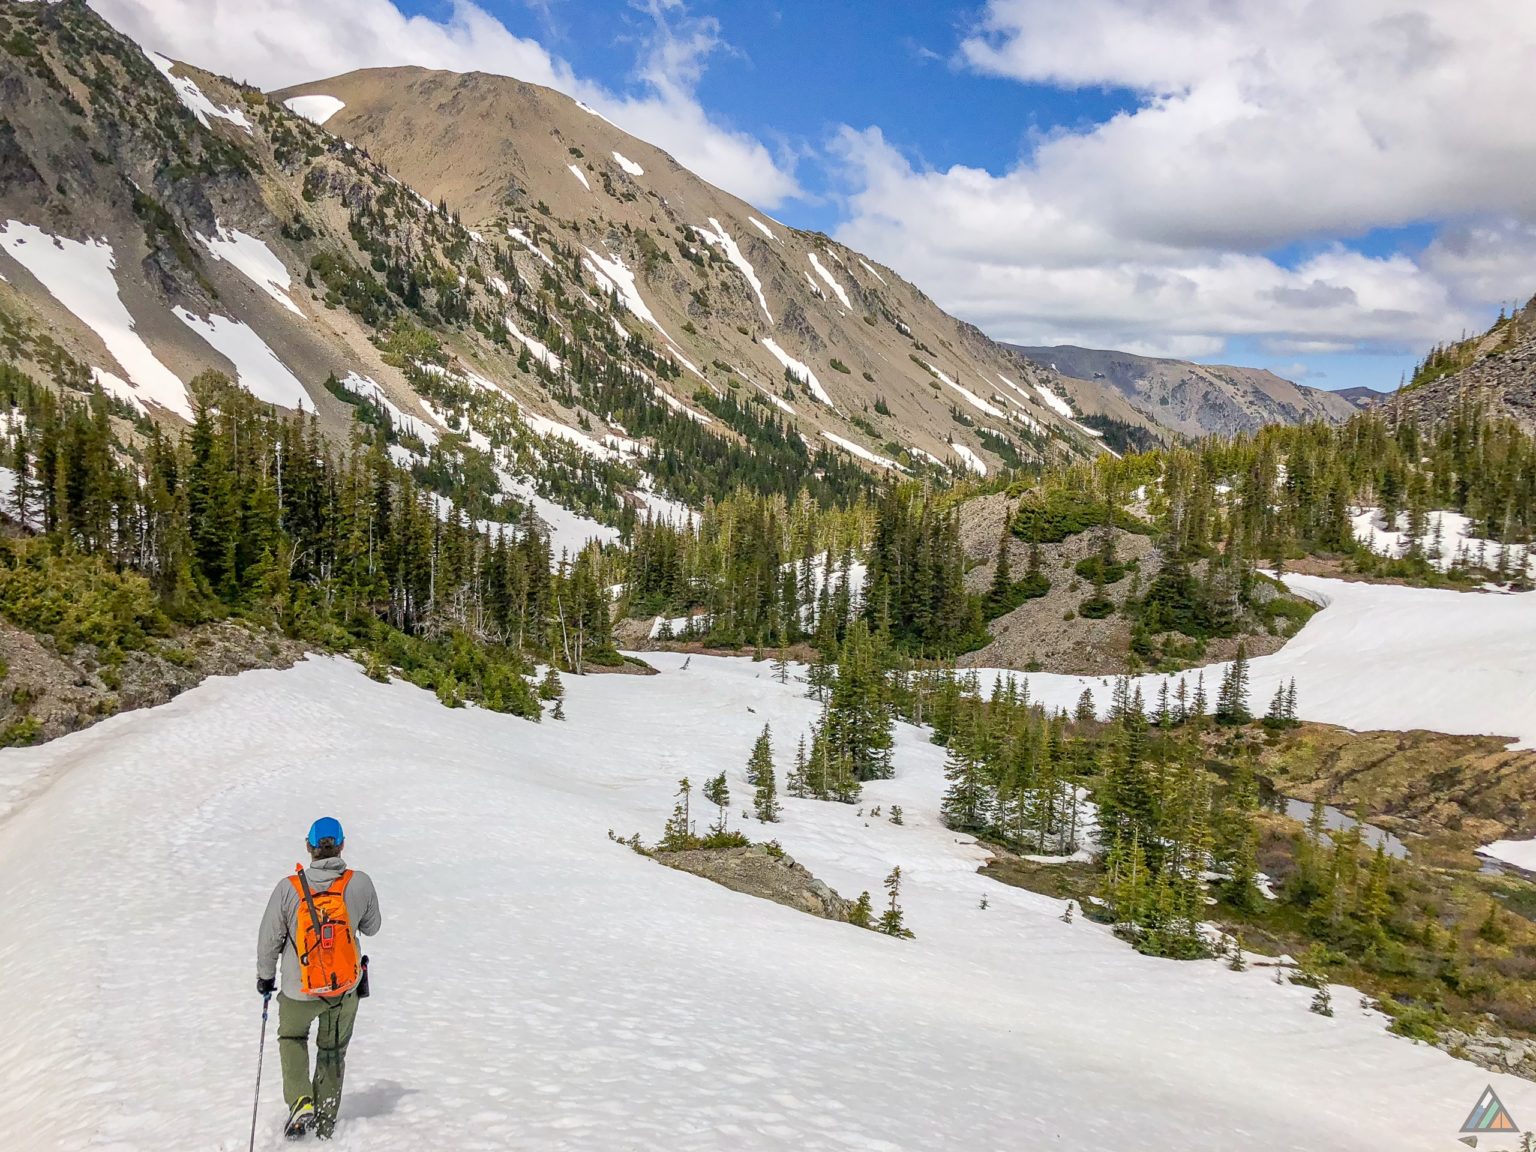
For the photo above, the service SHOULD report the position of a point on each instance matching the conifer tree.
(1322, 1002)
(760, 774)
(760, 761)
(1232, 699)
(765, 800)
(718, 793)
(862, 914)
(891, 919)
(1000, 594)
(678, 833)
(550, 687)
(1275, 717)
(797, 783)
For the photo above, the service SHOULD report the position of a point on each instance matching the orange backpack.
(328, 962)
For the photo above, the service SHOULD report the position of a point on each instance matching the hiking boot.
(300, 1119)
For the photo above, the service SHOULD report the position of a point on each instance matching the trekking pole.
(260, 1055)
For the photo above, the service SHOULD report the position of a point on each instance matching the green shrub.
(1049, 517)
(76, 599)
(21, 733)
(1096, 608)
(1090, 568)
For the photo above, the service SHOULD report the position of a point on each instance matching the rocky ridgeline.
(1501, 381)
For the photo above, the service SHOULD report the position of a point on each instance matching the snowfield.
(536, 986)
(1380, 657)
(861, 452)
(972, 460)
(1054, 402)
(1449, 538)
(971, 398)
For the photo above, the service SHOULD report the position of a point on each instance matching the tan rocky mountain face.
(1190, 399)
(723, 283)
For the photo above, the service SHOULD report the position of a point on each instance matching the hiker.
(324, 974)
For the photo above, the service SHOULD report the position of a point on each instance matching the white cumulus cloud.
(1291, 124)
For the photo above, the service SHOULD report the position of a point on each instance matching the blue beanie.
(325, 828)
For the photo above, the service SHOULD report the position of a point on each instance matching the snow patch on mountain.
(1520, 853)
(800, 370)
(580, 175)
(540, 351)
(861, 452)
(79, 275)
(316, 109)
(971, 398)
(1054, 402)
(615, 276)
(627, 164)
(763, 228)
(255, 261)
(831, 282)
(972, 461)
(721, 238)
(114, 385)
(871, 270)
(257, 367)
(591, 111)
(527, 242)
(778, 401)
(368, 388)
(568, 531)
(192, 96)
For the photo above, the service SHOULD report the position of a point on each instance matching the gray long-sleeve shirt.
(279, 924)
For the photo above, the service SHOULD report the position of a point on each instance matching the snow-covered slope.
(1381, 656)
(539, 987)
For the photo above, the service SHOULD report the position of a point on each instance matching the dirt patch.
(1457, 792)
(759, 871)
(1073, 880)
(46, 693)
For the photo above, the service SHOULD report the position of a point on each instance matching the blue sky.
(1325, 190)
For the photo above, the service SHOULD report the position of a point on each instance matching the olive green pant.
(334, 1021)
